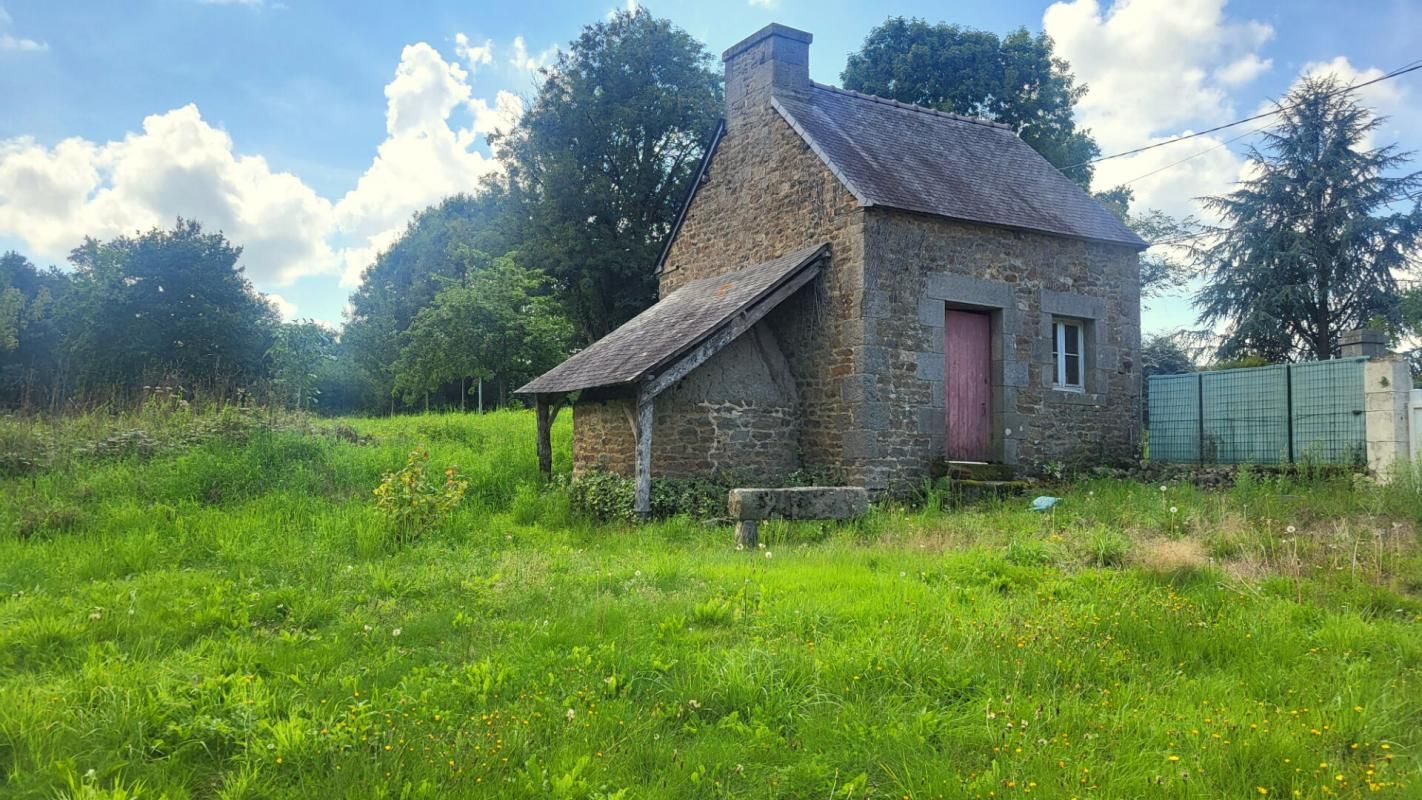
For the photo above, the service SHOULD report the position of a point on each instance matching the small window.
(1067, 354)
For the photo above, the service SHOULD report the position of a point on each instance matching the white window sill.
(1069, 389)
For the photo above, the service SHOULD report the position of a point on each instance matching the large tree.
(1311, 245)
(1161, 354)
(31, 359)
(165, 303)
(498, 325)
(602, 160)
(430, 254)
(1163, 269)
(1015, 79)
(1408, 335)
(296, 359)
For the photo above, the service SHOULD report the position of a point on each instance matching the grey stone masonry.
(749, 507)
(1363, 342)
(847, 378)
(799, 502)
(1387, 386)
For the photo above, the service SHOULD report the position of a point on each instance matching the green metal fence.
(1265, 415)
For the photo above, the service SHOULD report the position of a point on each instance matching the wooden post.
(545, 439)
(644, 453)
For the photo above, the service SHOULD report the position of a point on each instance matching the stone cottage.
(857, 287)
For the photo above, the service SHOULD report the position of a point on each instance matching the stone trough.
(749, 507)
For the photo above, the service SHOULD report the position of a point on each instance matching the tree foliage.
(1409, 333)
(170, 302)
(1164, 268)
(1161, 354)
(1310, 247)
(497, 325)
(1016, 79)
(602, 160)
(594, 175)
(298, 353)
(31, 359)
(429, 255)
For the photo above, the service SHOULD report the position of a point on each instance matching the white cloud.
(425, 89)
(180, 165)
(1170, 178)
(1153, 66)
(285, 307)
(764, 3)
(631, 7)
(501, 116)
(423, 158)
(1244, 70)
(521, 59)
(9, 43)
(475, 55)
(16, 44)
(1390, 98)
(1155, 69)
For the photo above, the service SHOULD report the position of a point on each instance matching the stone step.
(978, 490)
(979, 471)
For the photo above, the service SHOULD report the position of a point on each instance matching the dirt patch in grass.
(1167, 556)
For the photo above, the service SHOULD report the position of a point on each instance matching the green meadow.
(210, 605)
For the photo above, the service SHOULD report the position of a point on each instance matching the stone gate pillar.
(1387, 386)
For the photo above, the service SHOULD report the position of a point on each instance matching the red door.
(967, 359)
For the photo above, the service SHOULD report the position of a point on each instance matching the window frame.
(1060, 355)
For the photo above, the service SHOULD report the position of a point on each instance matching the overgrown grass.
(229, 617)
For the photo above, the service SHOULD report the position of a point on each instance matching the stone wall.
(768, 194)
(737, 414)
(602, 436)
(862, 345)
(1387, 388)
(917, 266)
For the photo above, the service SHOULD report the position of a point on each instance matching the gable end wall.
(767, 193)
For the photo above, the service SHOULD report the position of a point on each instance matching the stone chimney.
(774, 60)
(1362, 342)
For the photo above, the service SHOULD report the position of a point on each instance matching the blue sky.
(310, 131)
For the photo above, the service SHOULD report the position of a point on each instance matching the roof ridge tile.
(874, 98)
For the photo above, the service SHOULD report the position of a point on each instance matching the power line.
(1225, 143)
(1417, 195)
(1412, 67)
(1230, 141)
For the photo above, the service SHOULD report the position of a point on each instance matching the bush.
(607, 496)
(413, 501)
(603, 495)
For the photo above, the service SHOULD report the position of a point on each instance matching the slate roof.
(680, 321)
(916, 159)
